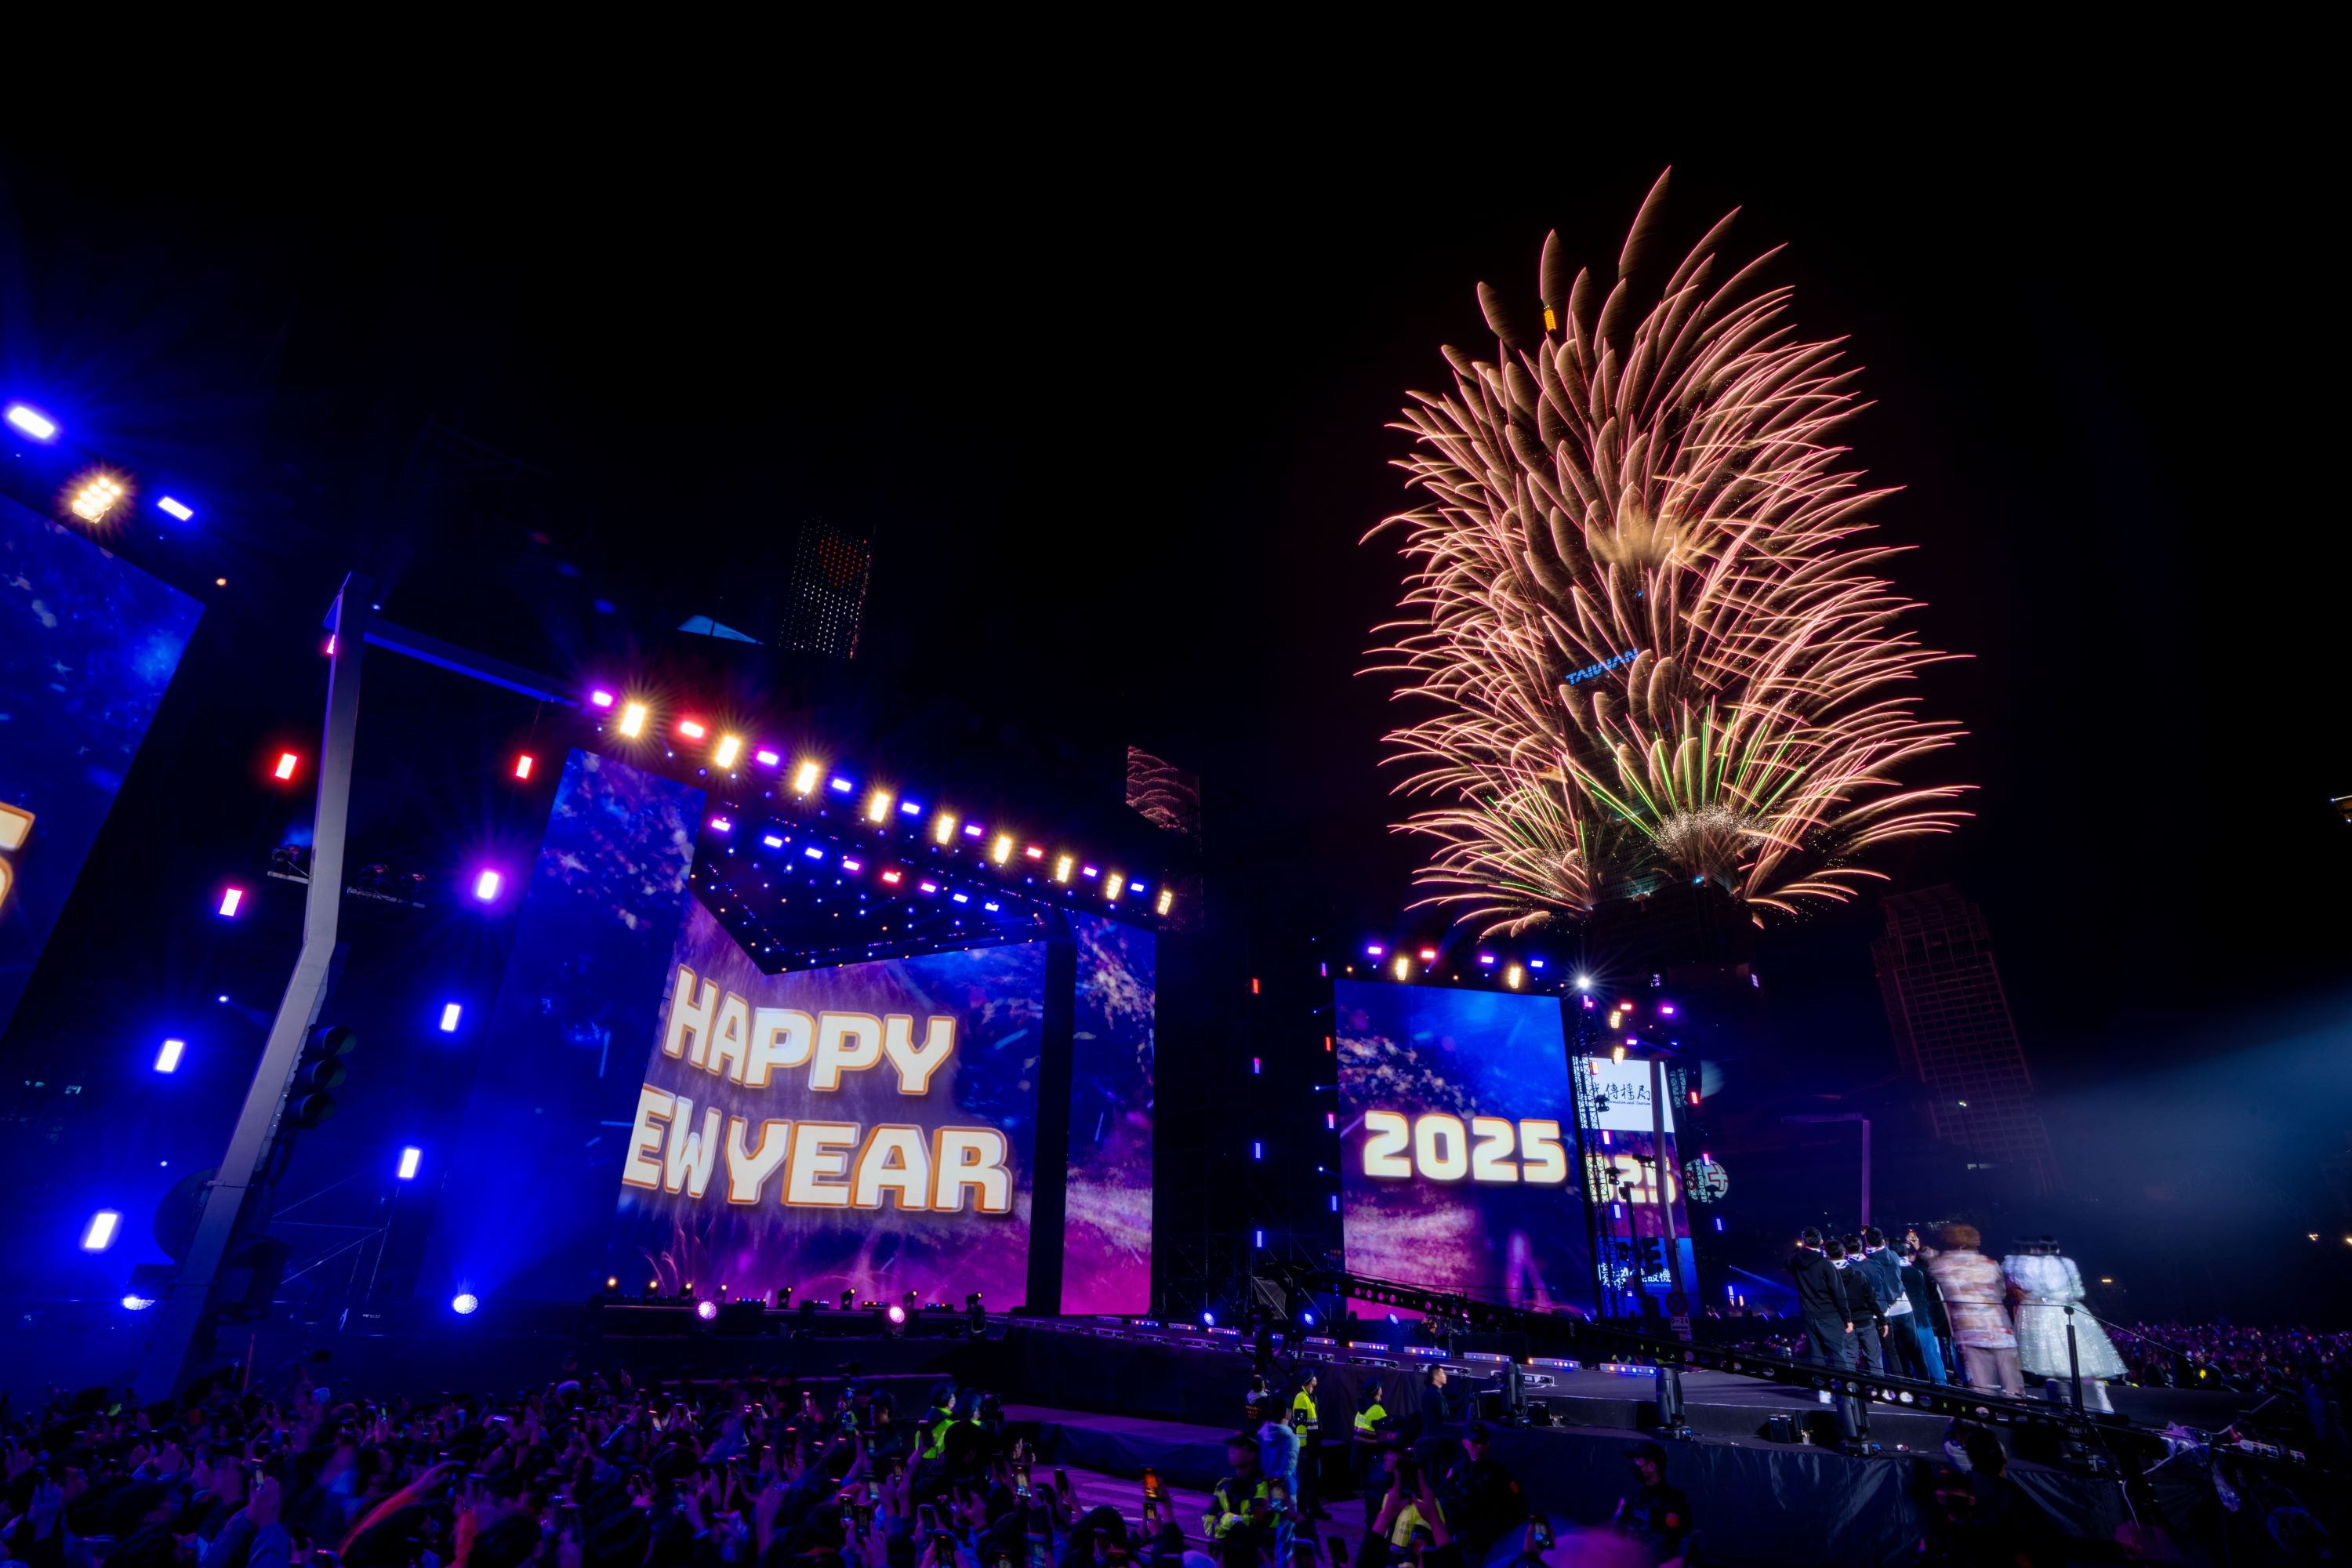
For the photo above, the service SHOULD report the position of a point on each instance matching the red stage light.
(287, 763)
(522, 766)
(692, 729)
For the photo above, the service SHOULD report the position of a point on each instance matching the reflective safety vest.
(1369, 1417)
(936, 1443)
(1229, 1506)
(1304, 1403)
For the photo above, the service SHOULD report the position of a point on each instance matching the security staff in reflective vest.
(1309, 1425)
(1371, 1422)
(936, 1424)
(1240, 1504)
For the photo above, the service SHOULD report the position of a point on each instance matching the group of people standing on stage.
(1925, 1312)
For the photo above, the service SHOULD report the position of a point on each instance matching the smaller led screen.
(1456, 1145)
(1622, 1170)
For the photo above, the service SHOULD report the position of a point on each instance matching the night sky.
(1115, 403)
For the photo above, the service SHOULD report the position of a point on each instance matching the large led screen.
(869, 1127)
(88, 645)
(1106, 1255)
(1458, 1144)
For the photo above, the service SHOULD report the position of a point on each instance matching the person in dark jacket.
(1931, 1325)
(1821, 1302)
(1868, 1325)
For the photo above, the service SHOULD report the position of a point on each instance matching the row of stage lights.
(880, 808)
(1400, 962)
(98, 492)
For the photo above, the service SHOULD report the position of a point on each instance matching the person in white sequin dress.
(2046, 1284)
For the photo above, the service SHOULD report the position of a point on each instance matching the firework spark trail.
(1660, 499)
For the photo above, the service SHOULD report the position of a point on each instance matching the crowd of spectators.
(763, 1471)
(2188, 1355)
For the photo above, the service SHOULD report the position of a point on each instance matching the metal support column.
(182, 1312)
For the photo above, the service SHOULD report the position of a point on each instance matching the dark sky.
(1114, 398)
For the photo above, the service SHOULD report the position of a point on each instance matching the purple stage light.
(706, 1311)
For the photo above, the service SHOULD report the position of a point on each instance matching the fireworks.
(1644, 608)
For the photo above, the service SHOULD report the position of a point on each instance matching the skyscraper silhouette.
(1953, 1032)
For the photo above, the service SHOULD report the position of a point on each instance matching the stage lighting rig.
(96, 498)
(32, 422)
(783, 1297)
(849, 1301)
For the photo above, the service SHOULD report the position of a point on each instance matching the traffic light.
(309, 1101)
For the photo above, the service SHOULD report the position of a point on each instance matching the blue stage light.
(813, 852)
(450, 1013)
(464, 1302)
(32, 422)
(1306, 1318)
(1535, 963)
(137, 1303)
(180, 510)
(772, 841)
(841, 787)
(99, 1233)
(910, 808)
(409, 1160)
(1208, 1319)
(1261, 1238)
(168, 1058)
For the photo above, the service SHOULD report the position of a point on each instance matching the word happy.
(825, 1163)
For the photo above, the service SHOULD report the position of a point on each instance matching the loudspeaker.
(1780, 1429)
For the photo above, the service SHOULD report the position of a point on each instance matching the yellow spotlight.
(729, 748)
(943, 829)
(1613, 1017)
(1114, 884)
(804, 777)
(1511, 977)
(633, 720)
(1001, 851)
(1061, 868)
(1400, 968)
(879, 808)
(1166, 899)
(1616, 1053)
(96, 498)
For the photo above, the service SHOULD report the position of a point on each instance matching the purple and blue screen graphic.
(88, 643)
(1458, 1144)
(557, 1076)
(1107, 1246)
(869, 1127)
